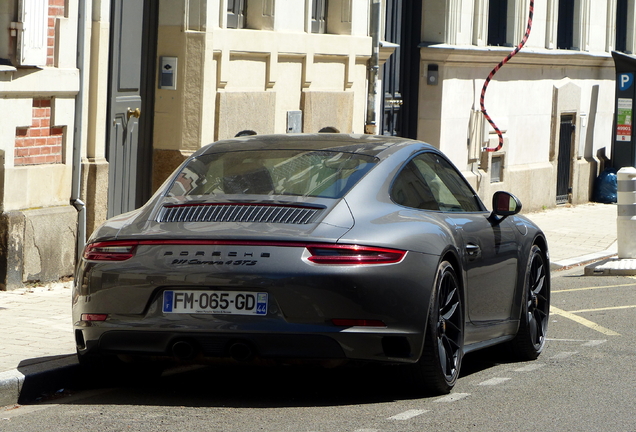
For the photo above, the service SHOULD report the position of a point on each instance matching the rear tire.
(438, 368)
(535, 308)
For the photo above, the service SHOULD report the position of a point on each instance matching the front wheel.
(535, 309)
(438, 368)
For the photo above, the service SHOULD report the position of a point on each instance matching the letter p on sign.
(625, 81)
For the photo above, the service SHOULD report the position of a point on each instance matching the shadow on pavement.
(257, 386)
(44, 375)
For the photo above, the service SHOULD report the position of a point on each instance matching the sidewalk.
(578, 234)
(37, 348)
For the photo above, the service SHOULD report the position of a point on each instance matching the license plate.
(215, 302)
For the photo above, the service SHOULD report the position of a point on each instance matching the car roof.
(371, 145)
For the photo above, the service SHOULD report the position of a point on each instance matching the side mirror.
(505, 204)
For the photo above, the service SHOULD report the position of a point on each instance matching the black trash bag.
(605, 187)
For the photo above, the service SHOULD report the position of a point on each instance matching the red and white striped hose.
(494, 71)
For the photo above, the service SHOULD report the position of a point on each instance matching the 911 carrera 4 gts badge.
(195, 261)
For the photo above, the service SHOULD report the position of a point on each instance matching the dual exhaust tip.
(238, 351)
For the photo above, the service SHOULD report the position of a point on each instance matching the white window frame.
(453, 21)
(32, 26)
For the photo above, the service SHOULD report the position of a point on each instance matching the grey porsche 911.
(317, 248)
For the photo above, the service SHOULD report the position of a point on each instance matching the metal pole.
(374, 67)
(77, 136)
(626, 207)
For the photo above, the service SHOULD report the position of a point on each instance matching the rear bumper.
(350, 344)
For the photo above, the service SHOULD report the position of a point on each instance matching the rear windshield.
(325, 174)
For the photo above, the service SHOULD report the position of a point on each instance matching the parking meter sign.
(624, 116)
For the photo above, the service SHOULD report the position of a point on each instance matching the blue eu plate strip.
(168, 297)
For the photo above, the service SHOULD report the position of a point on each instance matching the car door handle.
(473, 251)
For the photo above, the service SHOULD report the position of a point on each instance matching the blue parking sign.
(625, 81)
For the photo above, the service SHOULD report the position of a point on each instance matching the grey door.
(490, 249)
(564, 160)
(133, 44)
(400, 77)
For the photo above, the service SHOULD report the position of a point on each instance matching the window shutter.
(318, 16)
(32, 32)
(236, 14)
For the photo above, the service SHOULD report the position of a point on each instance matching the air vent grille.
(238, 213)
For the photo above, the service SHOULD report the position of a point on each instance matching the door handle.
(136, 113)
(473, 251)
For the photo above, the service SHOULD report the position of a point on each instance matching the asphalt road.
(584, 381)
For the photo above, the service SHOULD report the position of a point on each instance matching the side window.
(430, 182)
(410, 189)
(449, 188)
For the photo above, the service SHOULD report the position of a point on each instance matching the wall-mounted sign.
(168, 73)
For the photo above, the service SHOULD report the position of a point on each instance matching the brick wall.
(41, 143)
(57, 8)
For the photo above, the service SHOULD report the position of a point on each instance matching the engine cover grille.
(238, 213)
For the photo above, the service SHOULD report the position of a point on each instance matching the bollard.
(626, 221)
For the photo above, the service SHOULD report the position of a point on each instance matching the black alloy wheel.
(533, 325)
(439, 366)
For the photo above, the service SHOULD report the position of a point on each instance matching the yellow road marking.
(583, 321)
(593, 288)
(603, 309)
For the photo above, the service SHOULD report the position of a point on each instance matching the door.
(490, 261)
(133, 43)
(564, 160)
(400, 78)
(488, 248)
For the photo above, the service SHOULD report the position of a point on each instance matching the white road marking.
(603, 309)
(408, 414)
(587, 323)
(563, 355)
(494, 381)
(530, 367)
(594, 342)
(453, 397)
(592, 288)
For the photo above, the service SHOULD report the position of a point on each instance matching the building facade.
(101, 99)
(39, 83)
(89, 136)
(554, 101)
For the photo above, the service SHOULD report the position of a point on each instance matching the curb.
(27, 383)
(612, 267)
(589, 258)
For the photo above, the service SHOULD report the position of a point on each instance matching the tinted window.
(430, 182)
(324, 174)
(411, 190)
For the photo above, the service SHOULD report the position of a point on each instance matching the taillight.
(353, 254)
(110, 251)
